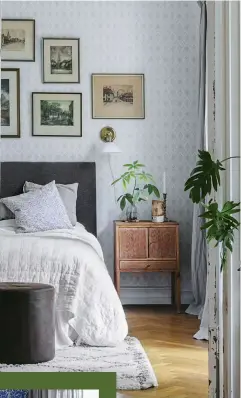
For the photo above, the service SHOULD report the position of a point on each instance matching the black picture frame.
(18, 133)
(118, 74)
(56, 135)
(44, 40)
(33, 47)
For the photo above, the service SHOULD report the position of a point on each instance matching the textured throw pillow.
(40, 210)
(68, 194)
(5, 213)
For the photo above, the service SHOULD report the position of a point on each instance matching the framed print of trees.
(57, 114)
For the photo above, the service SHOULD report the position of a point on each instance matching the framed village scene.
(118, 96)
(18, 40)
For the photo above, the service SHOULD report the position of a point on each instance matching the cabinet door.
(163, 243)
(133, 243)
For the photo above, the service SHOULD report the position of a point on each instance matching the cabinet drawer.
(148, 265)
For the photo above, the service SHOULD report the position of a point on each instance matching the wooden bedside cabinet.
(145, 246)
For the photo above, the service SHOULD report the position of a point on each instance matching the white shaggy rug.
(128, 360)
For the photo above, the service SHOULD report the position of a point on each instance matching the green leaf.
(114, 182)
(156, 191)
(204, 177)
(207, 225)
(207, 214)
(221, 226)
(229, 245)
(119, 198)
(128, 179)
(214, 181)
(129, 197)
(150, 189)
(124, 183)
(123, 203)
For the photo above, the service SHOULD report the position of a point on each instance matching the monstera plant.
(138, 186)
(219, 223)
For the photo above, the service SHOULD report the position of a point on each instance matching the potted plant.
(219, 223)
(138, 186)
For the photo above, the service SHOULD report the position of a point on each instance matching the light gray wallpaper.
(159, 39)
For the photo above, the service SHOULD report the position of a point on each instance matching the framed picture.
(61, 60)
(10, 103)
(118, 96)
(57, 114)
(18, 40)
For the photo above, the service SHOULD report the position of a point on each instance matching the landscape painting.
(118, 96)
(5, 106)
(18, 40)
(57, 114)
(61, 60)
(10, 104)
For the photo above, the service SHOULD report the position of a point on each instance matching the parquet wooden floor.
(179, 361)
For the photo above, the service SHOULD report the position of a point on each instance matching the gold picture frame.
(118, 96)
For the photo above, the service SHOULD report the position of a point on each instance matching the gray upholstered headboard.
(14, 174)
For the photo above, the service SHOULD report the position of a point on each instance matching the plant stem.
(231, 157)
(134, 188)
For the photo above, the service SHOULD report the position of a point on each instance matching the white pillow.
(40, 210)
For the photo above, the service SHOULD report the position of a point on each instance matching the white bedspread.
(88, 309)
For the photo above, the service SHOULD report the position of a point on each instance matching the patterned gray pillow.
(68, 194)
(40, 210)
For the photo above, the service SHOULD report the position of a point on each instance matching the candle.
(164, 183)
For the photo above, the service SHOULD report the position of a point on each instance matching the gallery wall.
(159, 39)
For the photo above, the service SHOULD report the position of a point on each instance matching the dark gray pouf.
(27, 323)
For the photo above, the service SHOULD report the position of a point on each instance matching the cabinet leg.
(178, 291)
(173, 284)
(117, 281)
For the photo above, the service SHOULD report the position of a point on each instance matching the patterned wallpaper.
(159, 39)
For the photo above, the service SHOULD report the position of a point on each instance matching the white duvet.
(88, 309)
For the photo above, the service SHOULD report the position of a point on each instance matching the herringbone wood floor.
(179, 361)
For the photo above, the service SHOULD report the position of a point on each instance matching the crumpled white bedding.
(88, 309)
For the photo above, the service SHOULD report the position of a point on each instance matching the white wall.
(159, 39)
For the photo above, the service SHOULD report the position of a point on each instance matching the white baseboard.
(143, 295)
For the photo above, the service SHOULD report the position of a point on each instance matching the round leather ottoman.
(27, 323)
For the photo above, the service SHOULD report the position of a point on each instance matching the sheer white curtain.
(199, 249)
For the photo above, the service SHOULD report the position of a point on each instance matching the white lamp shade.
(110, 147)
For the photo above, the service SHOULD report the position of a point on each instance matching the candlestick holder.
(165, 207)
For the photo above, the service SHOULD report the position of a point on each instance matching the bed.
(88, 309)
